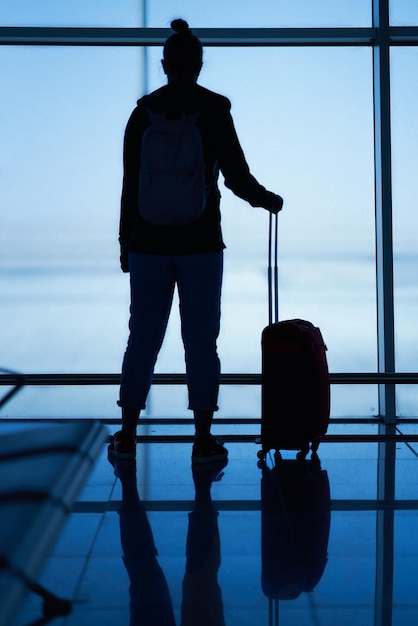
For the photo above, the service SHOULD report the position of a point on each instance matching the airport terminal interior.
(324, 97)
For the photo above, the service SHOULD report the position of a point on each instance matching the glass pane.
(306, 127)
(64, 301)
(88, 13)
(403, 12)
(404, 83)
(264, 13)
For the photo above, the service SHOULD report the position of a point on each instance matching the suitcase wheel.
(261, 454)
(302, 454)
(315, 445)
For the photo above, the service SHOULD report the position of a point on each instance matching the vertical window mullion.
(383, 207)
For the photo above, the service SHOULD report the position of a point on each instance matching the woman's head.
(182, 50)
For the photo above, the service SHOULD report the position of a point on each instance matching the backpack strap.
(156, 117)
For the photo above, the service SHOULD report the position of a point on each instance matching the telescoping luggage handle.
(273, 273)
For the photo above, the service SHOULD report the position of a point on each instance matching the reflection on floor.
(154, 543)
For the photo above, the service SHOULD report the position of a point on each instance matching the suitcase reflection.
(295, 525)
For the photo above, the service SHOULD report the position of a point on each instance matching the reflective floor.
(153, 542)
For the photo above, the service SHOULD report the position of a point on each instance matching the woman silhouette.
(190, 256)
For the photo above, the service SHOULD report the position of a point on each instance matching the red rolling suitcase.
(295, 380)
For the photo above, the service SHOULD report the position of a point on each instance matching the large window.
(304, 112)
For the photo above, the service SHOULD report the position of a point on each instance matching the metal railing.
(349, 378)
(19, 380)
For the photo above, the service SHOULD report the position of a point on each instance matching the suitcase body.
(295, 394)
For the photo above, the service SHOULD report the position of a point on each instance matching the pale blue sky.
(218, 13)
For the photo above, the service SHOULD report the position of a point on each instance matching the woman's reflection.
(150, 601)
(202, 598)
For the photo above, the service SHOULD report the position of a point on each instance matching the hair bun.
(181, 26)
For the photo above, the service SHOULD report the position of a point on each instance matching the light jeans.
(153, 279)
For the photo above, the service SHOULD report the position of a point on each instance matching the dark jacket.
(222, 152)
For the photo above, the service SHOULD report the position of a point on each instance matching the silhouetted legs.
(153, 279)
(150, 601)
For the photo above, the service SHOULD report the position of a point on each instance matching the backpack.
(172, 182)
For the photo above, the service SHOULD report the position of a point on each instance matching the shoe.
(122, 447)
(208, 450)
